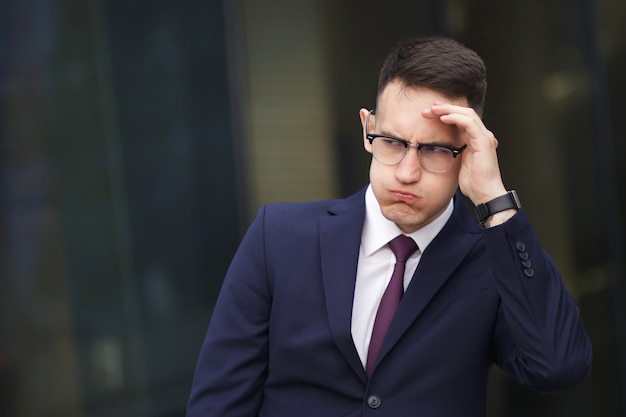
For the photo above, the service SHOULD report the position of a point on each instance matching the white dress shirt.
(376, 262)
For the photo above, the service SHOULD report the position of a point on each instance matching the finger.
(443, 111)
(462, 121)
(473, 129)
(429, 114)
(443, 108)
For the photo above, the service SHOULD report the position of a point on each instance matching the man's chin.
(403, 216)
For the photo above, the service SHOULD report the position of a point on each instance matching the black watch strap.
(498, 204)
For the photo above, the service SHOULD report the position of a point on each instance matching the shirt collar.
(378, 230)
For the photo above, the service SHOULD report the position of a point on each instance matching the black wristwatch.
(498, 204)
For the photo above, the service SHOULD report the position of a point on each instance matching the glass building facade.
(138, 139)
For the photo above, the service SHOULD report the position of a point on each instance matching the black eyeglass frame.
(370, 137)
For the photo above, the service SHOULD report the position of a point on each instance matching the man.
(292, 331)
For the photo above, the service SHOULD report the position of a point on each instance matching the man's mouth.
(403, 195)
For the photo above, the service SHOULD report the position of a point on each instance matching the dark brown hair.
(440, 64)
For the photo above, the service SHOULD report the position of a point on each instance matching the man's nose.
(410, 168)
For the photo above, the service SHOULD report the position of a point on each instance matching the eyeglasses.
(391, 151)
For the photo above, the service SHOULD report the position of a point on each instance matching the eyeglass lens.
(391, 151)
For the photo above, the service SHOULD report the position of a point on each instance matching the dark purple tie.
(402, 247)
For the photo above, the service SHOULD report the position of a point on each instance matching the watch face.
(515, 198)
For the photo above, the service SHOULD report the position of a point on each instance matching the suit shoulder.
(315, 208)
(318, 206)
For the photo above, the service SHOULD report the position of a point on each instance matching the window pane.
(119, 205)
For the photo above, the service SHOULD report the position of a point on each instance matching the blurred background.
(138, 139)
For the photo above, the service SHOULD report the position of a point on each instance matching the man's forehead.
(396, 94)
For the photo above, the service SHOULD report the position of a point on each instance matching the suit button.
(374, 401)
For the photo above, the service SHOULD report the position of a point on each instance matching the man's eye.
(392, 142)
(434, 149)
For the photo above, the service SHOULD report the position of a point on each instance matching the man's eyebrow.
(436, 142)
(391, 135)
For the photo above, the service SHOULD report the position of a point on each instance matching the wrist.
(488, 195)
(505, 206)
(499, 218)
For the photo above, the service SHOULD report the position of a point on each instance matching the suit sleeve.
(539, 336)
(232, 365)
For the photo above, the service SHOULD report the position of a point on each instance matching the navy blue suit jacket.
(279, 342)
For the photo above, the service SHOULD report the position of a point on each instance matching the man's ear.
(363, 115)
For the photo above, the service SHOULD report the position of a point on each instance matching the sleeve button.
(529, 272)
(520, 246)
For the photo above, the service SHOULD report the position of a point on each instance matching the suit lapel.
(340, 240)
(438, 262)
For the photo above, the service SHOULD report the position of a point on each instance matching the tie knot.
(402, 247)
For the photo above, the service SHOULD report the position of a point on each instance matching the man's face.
(409, 195)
